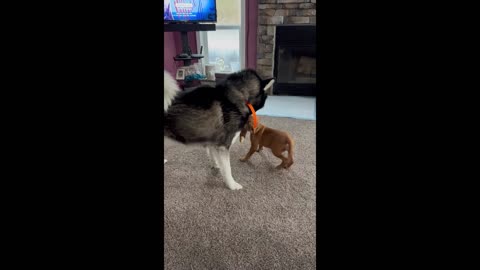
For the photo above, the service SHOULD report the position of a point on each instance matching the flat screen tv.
(189, 11)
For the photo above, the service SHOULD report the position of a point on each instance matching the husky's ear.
(267, 83)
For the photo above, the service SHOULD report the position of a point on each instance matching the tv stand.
(186, 55)
(188, 27)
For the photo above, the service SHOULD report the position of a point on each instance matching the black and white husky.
(213, 116)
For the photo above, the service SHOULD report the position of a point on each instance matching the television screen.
(189, 11)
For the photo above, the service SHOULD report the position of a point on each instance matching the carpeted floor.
(269, 224)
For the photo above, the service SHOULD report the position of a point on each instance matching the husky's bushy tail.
(170, 90)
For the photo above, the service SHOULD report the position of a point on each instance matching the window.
(225, 47)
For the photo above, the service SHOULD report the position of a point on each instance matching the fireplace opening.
(295, 61)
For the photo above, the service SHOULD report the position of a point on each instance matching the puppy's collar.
(254, 115)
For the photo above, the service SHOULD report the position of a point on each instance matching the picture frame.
(180, 74)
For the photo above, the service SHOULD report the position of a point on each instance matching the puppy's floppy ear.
(250, 124)
(266, 84)
(253, 130)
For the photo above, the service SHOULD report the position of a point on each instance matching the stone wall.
(275, 12)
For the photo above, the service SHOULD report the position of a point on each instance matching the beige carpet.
(269, 224)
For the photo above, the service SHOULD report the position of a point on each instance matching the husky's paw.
(234, 186)
(164, 161)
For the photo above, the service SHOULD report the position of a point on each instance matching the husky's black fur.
(214, 115)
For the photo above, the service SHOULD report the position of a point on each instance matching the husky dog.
(213, 116)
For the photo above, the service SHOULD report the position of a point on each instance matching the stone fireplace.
(290, 59)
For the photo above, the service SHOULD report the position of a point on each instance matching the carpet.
(269, 224)
(290, 106)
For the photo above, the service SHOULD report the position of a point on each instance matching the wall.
(192, 42)
(173, 46)
(251, 11)
(169, 51)
(275, 12)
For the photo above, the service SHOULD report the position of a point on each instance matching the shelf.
(196, 80)
(189, 58)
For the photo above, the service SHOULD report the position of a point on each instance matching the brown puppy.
(278, 141)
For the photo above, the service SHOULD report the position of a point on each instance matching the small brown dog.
(278, 141)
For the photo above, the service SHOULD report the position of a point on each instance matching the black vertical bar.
(185, 42)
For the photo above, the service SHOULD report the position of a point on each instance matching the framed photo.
(181, 74)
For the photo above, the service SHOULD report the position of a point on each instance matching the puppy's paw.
(234, 186)
(243, 159)
(164, 161)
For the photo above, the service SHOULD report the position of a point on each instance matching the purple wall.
(173, 46)
(169, 51)
(251, 33)
(192, 41)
